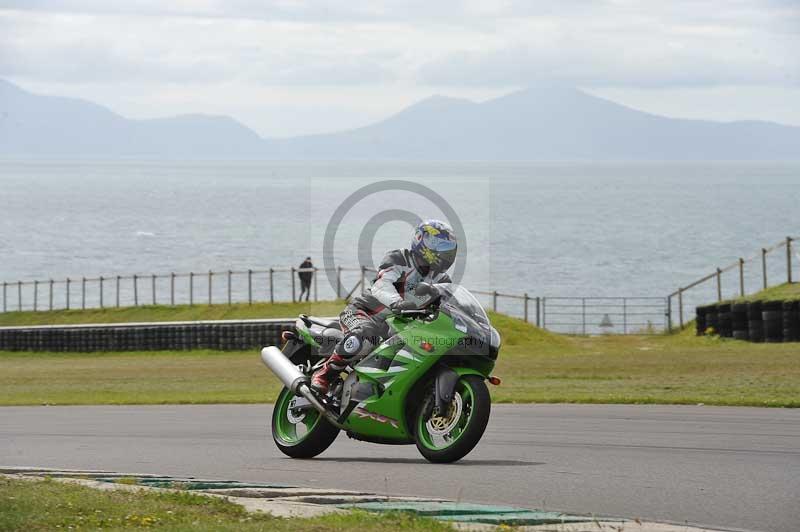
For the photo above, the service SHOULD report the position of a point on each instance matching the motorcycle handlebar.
(412, 312)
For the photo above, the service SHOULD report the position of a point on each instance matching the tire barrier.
(773, 321)
(700, 320)
(739, 324)
(756, 321)
(222, 336)
(712, 319)
(791, 321)
(725, 320)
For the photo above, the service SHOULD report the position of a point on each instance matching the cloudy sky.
(291, 67)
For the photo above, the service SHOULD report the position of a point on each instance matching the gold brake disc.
(443, 425)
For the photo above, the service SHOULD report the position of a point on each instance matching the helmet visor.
(438, 244)
(446, 259)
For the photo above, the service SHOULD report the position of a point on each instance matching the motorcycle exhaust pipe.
(282, 367)
(294, 379)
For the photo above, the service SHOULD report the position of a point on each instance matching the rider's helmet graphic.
(434, 246)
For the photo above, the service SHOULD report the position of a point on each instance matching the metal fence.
(209, 287)
(584, 315)
(571, 315)
(770, 265)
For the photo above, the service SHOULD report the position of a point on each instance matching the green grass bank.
(535, 366)
(150, 313)
(781, 292)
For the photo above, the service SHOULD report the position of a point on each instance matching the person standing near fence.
(305, 278)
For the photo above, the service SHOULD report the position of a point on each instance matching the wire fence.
(570, 315)
(588, 315)
(209, 287)
(769, 266)
(584, 315)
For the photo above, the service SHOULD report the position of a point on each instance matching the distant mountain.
(546, 123)
(540, 123)
(54, 127)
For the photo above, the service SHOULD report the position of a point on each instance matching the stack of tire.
(227, 336)
(756, 321)
(791, 321)
(773, 321)
(739, 322)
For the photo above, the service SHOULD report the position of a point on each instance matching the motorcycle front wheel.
(300, 434)
(445, 437)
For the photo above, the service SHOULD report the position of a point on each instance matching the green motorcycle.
(425, 384)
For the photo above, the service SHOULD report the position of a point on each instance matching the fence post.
(83, 293)
(538, 311)
(363, 279)
(191, 289)
(494, 300)
(680, 308)
(315, 284)
(210, 286)
(293, 284)
(544, 313)
(35, 295)
(68, 282)
(249, 287)
(271, 286)
(624, 315)
(50, 306)
(101, 291)
(135, 290)
(525, 311)
(5, 300)
(764, 266)
(789, 259)
(19, 295)
(741, 276)
(153, 287)
(338, 282)
(719, 284)
(172, 289)
(583, 315)
(669, 313)
(229, 287)
(117, 290)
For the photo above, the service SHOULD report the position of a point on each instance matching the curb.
(292, 501)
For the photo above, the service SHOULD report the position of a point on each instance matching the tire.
(318, 435)
(712, 319)
(791, 321)
(700, 320)
(739, 321)
(725, 320)
(755, 324)
(772, 314)
(476, 405)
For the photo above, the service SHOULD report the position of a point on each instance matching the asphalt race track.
(736, 468)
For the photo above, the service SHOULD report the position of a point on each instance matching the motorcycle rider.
(363, 320)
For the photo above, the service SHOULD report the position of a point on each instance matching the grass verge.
(535, 366)
(50, 505)
(148, 313)
(781, 292)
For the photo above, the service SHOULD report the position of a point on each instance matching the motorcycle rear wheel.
(451, 436)
(300, 436)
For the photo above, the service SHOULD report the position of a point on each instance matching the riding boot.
(320, 380)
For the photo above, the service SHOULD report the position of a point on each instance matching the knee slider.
(355, 346)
